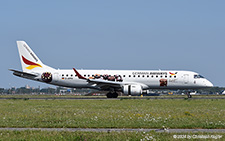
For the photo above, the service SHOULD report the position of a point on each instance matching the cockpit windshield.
(198, 76)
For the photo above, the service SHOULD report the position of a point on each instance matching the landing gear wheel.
(189, 95)
(115, 95)
(109, 95)
(112, 95)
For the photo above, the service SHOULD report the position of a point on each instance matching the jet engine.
(46, 77)
(132, 89)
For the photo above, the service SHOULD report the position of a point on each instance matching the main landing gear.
(112, 95)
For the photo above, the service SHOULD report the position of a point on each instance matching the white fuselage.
(148, 79)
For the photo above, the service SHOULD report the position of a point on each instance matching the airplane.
(129, 82)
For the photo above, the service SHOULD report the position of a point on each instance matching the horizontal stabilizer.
(23, 74)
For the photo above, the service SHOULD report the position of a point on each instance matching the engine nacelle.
(132, 89)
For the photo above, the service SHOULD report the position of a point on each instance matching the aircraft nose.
(208, 84)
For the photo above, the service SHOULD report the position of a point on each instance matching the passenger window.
(129, 75)
(138, 75)
(166, 76)
(62, 74)
(143, 76)
(85, 75)
(174, 76)
(134, 75)
(147, 75)
(67, 75)
(71, 75)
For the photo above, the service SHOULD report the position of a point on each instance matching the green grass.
(125, 113)
(123, 97)
(112, 136)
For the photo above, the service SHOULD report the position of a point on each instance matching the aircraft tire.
(112, 95)
(115, 95)
(109, 95)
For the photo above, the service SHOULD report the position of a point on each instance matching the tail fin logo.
(32, 65)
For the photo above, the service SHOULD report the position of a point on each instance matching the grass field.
(124, 113)
(126, 97)
(111, 136)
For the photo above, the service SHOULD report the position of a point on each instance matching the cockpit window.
(198, 76)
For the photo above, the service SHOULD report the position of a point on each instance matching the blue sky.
(128, 34)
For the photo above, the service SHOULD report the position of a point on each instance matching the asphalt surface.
(117, 130)
(104, 98)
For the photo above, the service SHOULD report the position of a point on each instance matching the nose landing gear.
(189, 95)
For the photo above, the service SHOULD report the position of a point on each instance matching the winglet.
(79, 75)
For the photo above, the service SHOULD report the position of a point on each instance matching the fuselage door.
(186, 78)
(56, 76)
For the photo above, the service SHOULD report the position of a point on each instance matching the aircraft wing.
(23, 74)
(105, 83)
(99, 82)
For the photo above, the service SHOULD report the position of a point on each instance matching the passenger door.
(56, 76)
(186, 78)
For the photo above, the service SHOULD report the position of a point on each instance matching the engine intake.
(132, 89)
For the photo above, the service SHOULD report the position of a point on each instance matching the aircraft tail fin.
(29, 60)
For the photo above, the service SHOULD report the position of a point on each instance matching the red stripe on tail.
(29, 62)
